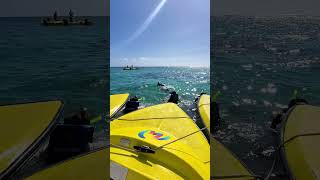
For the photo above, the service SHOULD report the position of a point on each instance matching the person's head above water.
(160, 84)
(173, 92)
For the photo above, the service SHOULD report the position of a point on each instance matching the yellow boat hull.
(302, 147)
(187, 158)
(204, 109)
(225, 164)
(21, 131)
(117, 101)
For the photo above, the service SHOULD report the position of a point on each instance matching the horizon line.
(160, 66)
(278, 15)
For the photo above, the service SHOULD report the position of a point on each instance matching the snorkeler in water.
(160, 84)
(174, 97)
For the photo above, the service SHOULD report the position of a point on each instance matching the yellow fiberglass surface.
(117, 101)
(160, 128)
(302, 136)
(22, 126)
(225, 165)
(204, 109)
(94, 165)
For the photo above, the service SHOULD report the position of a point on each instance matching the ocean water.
(257, 64)
(187, 82)
(67, 63)
(39, 62)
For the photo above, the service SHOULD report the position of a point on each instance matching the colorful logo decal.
(156, 135)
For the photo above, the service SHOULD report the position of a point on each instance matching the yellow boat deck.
(93, 165)
(187, 158)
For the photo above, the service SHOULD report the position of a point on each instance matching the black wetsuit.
(174, 98)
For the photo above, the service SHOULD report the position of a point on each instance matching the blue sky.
(160, 32)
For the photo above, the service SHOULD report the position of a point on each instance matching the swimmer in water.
(174, 97)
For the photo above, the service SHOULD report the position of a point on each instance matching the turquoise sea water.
(187, 82)
(68, 63)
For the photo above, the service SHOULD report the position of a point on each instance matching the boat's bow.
(23, 128)
(117, 101)
(158, 130)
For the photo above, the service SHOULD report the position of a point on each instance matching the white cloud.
(146, 23)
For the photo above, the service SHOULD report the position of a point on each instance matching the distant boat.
(130, 68)
(65, 22)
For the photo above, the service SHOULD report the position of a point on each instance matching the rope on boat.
(151, 118)
(160, 147)
(180, 138)
(281, 146)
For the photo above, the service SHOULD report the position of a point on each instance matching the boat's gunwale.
(119, 109)
(32, 101)
(27, 153)
(203, 122)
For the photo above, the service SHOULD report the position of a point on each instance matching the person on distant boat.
(71, 15)
(55, 16)
(174, 97)
(160, 84)
(86, 22)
